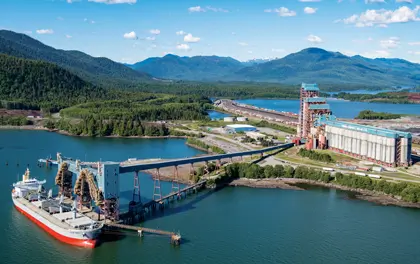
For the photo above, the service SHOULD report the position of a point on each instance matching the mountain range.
(308, 65)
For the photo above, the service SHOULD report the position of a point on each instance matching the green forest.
(387, 97)
(371, 115)
(202, 145)
(409, 192)
(28, 84)
(14, 121)
(315, 155)
(99, 127)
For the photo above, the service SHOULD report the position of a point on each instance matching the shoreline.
(293, 184)
(65, 133)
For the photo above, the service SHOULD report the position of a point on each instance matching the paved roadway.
(216, 136)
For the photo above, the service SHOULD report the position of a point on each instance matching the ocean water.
(340, 108)
(233, 225)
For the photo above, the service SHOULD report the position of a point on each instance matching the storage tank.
(378, 152)
(363, 147)
(404, 149)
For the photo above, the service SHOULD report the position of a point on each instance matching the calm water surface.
(234, 225)
(216, 115)
(341, 108)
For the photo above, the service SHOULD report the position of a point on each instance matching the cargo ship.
(59, 219)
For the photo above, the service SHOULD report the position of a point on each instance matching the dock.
(175, 238)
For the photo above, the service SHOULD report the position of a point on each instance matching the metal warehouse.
(384, 146)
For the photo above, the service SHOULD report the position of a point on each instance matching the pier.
(175, 238)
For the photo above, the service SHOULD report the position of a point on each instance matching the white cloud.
(382, 16)
(207, 8)
(216, 9)
(196, 9)
(155, 31)
(60, 18)
(183, 47)
(181, 33)
(314, 39)
(68, 36)
(390, 43)
(150, 38)
(131, 35)
(250, 51)
(45, 31)
(414, 43)
(349, 53)
(278, 50)
(282, 11)
(110, 2)
(189, 38)
(310, 10)
(309, 1)
(414, 52)
(243, 43)
(374, 1)
(376, 54)
(404, 1)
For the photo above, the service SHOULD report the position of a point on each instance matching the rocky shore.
(293, 184)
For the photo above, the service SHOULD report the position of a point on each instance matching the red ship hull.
(88, 243)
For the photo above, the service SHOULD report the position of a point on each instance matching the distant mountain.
(97, 70)
(321, 66)
(197, 68)
(37, 83)
(255, 61)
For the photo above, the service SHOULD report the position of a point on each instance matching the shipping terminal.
(79, 215)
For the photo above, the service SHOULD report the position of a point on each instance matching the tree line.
(93, 127)
(315, 155)
(386, 97)
(409, 192)
(202, 145)
(371, 115)
(14, 121)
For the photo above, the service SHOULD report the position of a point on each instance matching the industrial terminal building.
(321, 130)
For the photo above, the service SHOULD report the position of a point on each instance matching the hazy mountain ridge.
(308, 65)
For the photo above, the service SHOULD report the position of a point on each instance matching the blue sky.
(133, 30)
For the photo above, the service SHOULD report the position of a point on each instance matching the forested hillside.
(27, 84)
(101, 71)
